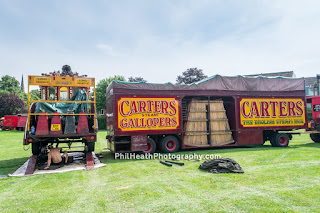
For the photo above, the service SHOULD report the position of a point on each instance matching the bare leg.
(65, 154)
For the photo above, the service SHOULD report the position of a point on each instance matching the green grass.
(275, 179)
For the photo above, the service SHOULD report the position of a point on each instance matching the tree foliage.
(11, 104)
(10, 90)
(190, 76)
(102, 88)
(9, 84)
(136, 79)
(35, 95)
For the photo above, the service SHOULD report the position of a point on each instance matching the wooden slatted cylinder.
(220, 129)
(202, 125)
(196, 127)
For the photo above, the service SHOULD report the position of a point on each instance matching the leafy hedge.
(102, 125)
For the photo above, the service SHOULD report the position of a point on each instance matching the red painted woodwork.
(241, 135)
(31, 165)
(10, 121)
(42, 125)
(82, 124)
(139, 143)
(56, 127)
(89, 160)
(250, 137)
(315, 105)
(22, 120)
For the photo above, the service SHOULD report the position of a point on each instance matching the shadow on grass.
(313, 145)
(9, 166)
(238, 149)
(108, 157)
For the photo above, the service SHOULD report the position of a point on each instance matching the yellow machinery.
(64, 113)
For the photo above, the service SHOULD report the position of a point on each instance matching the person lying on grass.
(55, 157)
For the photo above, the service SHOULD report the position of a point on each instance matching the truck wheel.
(151, 146)
(280, 140)
(89, 147)
(35, 148)
(315, 137)
(169, 144)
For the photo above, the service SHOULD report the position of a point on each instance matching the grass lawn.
(275, 179)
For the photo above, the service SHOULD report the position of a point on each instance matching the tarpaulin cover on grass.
(222, 165)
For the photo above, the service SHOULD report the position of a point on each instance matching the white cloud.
(160, 40)
(106, 49)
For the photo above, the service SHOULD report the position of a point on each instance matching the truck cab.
(313, 110)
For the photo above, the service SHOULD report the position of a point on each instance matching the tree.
(101, 89)
(190, 76)
(11, 104)
(136, 79)
(9, 84)
(35, 95)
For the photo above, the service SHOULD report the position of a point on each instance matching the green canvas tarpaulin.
(64, 108)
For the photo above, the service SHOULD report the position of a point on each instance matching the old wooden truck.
(218, 111)
(64, 114)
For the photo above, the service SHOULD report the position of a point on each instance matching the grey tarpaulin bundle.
(222, 165)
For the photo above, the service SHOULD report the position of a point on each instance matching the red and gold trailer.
(48, 124)
(218, 111)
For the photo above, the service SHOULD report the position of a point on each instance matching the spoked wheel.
(151, 146)
(280, 140)
(169, 144)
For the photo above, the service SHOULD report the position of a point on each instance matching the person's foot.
(66, 163)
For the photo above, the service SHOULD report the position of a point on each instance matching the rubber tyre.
(35, 146)
(151, 146)
(315, 137)
(90, 147)
(280, 140)
(169, 144)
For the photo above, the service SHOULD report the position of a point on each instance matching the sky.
(158, 40)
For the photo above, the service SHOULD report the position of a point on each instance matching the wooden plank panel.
(31, 165)
(89, 159)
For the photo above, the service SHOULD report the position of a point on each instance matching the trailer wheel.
(35, 148)
(315, 137)
(89, 147)
(151, 146)
(169, 144)
(280, 140)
